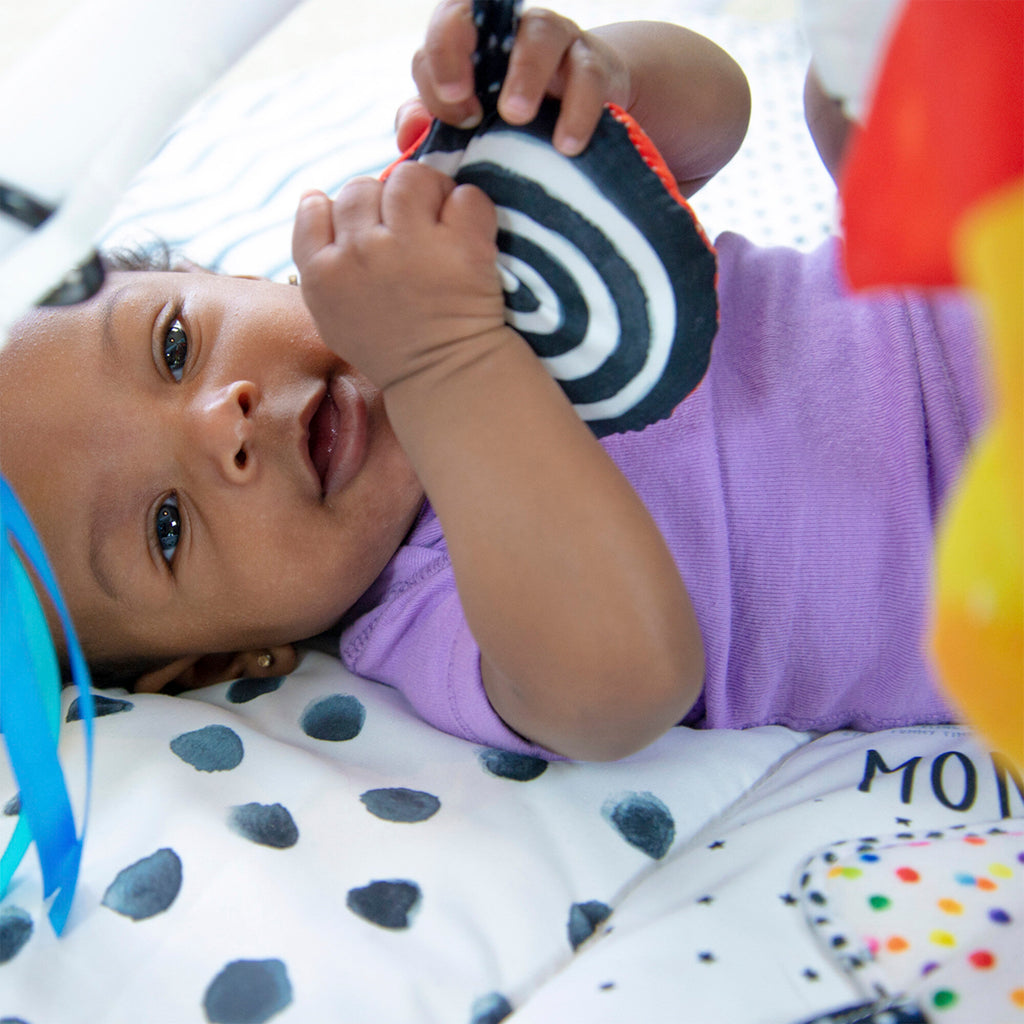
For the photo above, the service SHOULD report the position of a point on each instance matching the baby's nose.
(226, 428)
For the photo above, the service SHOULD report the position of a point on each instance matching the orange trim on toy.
(407, 154)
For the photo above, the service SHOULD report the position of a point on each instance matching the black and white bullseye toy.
(607, 274)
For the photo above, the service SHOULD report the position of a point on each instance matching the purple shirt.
(797, 488)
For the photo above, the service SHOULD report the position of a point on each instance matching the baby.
(221, 467)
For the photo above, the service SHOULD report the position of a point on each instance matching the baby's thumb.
(313, 228)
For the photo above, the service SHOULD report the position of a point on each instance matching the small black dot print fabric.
(214, 748)
(517, 767)
(643, 821)
(490, 1009)
(16, 926)
(389, 904)
(269, 825)
(243, 690)
(584, 919)
(399, 804)
(248, 992)
(311, 850)
(102, 705)
(336, 718)
(147, 887)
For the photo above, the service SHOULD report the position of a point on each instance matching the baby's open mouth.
(337, 435)
(323, 437)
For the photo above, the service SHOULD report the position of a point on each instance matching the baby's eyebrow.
(113, 303)
(103, 509)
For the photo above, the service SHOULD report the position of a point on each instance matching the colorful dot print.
(938, 918)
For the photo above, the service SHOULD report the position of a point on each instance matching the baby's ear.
(195, 671)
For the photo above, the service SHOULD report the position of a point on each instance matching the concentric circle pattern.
(607, 275)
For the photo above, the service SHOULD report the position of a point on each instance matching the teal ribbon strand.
(30, 713)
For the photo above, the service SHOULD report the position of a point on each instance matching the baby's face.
(206, 476)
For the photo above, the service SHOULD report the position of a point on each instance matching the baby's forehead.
(60, 323)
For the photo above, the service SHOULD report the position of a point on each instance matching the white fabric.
(498, 865)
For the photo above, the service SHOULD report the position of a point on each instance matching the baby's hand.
(401, 275)
(551, 56)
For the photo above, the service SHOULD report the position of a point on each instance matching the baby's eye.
(168, 527)
(176, 349)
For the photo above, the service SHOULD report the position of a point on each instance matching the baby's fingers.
(541, 45)
(320, 223)
(357, 207)
(413, 196)
(588, 83)
(469, 211)
(313, 228)
(443, 68)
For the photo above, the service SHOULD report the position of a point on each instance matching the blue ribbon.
(30, 713)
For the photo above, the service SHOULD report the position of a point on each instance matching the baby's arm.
(589, 645)
(686, 92)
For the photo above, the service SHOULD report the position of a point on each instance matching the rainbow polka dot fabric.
(932, 923)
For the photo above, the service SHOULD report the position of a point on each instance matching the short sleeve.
(415, 638)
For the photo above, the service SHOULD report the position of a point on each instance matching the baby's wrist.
(448, 366)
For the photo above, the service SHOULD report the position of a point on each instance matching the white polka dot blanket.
(306, 850)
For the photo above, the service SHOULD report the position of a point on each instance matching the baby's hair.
(150, 256)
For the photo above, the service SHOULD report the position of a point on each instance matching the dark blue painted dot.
(241, 691)
(490, 1009)
(584, 919)
(643, 821)
(398, 804)
(388, 904)
(518, 767)
(13, 806)
(147, 887)
(248, 992)
(266, 824)
(999, 916)
(339, 717)
(15, 930)
(214, 748)
(101, 706)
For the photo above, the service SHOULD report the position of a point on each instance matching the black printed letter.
(875, 763)
(970, 781)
